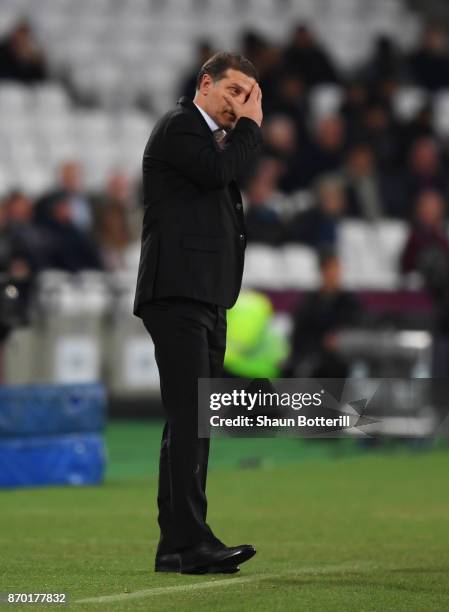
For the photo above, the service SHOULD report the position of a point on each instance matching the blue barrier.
(52, 435)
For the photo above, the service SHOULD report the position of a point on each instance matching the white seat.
(325, 100)
(51, 99)
(370, 252)
(441, 113)
(408, 101)
(299, 268)
(34, 179)
(262, 267)
(14, 98)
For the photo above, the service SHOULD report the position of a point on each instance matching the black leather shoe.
(172, 563)
(199, 559)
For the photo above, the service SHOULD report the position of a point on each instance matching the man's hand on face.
(252, 107)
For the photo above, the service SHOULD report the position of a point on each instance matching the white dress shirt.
(210, 122)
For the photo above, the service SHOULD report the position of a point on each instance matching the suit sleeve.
(194, 154)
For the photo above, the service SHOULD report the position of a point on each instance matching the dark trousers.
(189, 338)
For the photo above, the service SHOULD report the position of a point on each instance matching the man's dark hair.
(217, 65)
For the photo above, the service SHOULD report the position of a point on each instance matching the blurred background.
(347, 266)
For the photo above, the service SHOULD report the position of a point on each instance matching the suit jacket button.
(242, 237)
(238, 206)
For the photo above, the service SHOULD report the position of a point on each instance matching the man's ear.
(206, 84)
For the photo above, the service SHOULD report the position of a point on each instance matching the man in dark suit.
(190, 272)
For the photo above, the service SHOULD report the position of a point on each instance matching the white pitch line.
(210, 584)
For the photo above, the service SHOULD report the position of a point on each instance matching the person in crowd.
(425, 171)
(324, 154)
(113, 237)
(380, 131)
(263, 203)
(289, 100)
(427, 253)
(427, 248)
(68, 248)
(188, 84)
(119, 194)
(370, 194)
(352, 109)
(25, 241)
(280, 137)
(429, 64)
(317, 321)
(21, 56)
(307, 58)
(70, 182)
(317, 226)
(385, 63)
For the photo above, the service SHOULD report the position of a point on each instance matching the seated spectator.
(280, 139)
(204, 51)
(263, 219)
(385, 63)
(67, 247)
(113, 238)
(370, 194)
(316, 322)
(307, 58)
(380, 131)
(424, 171)
(429, 64)
(21, 57)
(352, 109)
(71, 184)
(317, 226)
(26, 242)
(325, 153)
(118, 195)
(427, 248)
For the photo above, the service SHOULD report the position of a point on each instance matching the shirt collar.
(208, 119)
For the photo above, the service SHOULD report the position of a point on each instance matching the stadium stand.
(344, 98)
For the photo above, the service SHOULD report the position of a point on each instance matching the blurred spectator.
(325, 154)
(427, 248)
(429, 64)
(353, 107)
(306, 58)
(380, 131)
(419, 126)
(280, 138)
(26, 242)
(317, 321)
(317, 226)
(288, 99)
(367, 192)
(71, 184)
(204, 51)
(385, 63)
(21, 57)
(118, 194)
(263, 220)
(424, 171)
(113, 237)
(68, 248)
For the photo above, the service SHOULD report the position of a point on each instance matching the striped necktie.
(220, 138)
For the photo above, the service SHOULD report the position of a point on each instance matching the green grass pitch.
(336, 530)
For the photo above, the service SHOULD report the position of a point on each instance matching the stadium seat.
(408, 101)
(263, 268)
(299, 267)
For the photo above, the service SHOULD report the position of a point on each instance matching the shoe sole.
(227, 563)
(215, 569)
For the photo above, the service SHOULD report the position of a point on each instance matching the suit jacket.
(193, 236)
